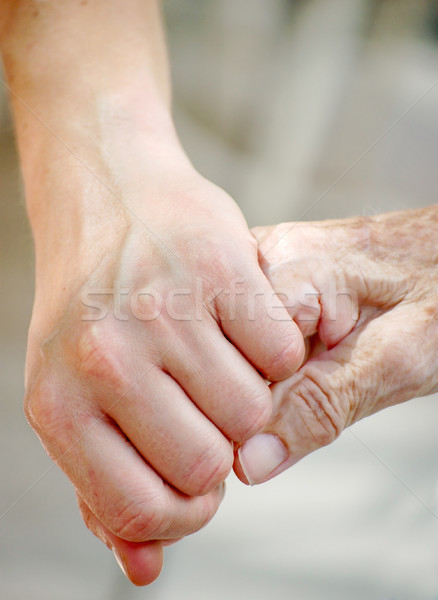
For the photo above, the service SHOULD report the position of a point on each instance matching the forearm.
(78, 72)
(56, 52)
(90, 91)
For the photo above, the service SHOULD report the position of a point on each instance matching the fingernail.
(260, 455)
(120, 561)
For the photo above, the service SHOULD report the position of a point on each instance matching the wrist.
(101, 122)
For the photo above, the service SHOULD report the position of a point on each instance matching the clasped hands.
(155, 326)
(147, 368)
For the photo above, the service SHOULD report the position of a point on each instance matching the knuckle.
(321, 410)
(253, 417)
(97, 356)
(209, 470)
(44, 409)
(285, 363)
(59, 416)
(147, 304)
(137, 521)
(221, 269)
(217, 260)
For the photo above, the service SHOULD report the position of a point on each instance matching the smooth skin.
(139, 399)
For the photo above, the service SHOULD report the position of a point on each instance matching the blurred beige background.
(286, 105)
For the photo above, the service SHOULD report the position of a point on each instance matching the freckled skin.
(382, 353)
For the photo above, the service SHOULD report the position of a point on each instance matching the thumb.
(357, 377)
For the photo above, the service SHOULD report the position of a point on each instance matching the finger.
(122, 490)
(141, 562)
(316, 302)
(169, 431)
(134, 502)
(219, 380)
(258, 324)
(364, 373)
(151, 408)
(339, 314)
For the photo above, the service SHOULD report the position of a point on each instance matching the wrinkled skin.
(366, 290)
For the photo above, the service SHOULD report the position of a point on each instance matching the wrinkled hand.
(149, 338)
(366, 290)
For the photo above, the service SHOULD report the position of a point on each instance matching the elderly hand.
(366, 289)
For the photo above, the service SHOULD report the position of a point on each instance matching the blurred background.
(303, 109)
